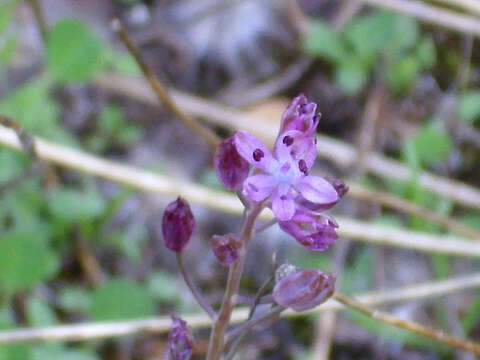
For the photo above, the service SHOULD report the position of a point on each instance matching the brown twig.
(89, 263)
(408, 207)
(161, 92)
(434, 334)
(40, 19)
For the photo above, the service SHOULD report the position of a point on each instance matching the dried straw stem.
(90, 331)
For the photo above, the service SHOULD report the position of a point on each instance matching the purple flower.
(230, 167)
(285, 174)
(180, 340)
(300, 115)
(226, 248)
(314, 231)
(177, 224)
(304, 289)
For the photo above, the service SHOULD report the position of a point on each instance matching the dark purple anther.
(288, 140)
(226, 248)
(303, 290)
(340, 187)
(258, 155)
(180, 341)
(230, 167)
(302, 165)
(177, 224)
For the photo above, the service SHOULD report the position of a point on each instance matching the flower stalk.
(216, 343)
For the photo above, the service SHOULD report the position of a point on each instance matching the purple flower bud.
(304, 290)
(180, 340)
(231, 168)
(314, 231)
(300, 115)
(177, 224)
(226, 248)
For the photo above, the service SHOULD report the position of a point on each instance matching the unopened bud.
(177, 224)
(230, 167)
(180, 341)
(303, 290)
(226, 248)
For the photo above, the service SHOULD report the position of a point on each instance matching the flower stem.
(216, 343)
(191, 285)
(242, 331)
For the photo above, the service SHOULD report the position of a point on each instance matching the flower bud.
(177, 224)
(304, 290)
(314, 231)
(231, 168)
(226, 248)
(180, 340)
(300, 115)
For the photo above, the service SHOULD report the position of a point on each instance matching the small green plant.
(380, 37)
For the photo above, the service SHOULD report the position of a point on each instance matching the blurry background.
(74, 247)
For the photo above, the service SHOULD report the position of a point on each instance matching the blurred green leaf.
(60, 352)
(369, 34)
(323, 42)
(426, 53)
(162, 287)
(469, 106)
(73, 53)
(6, 14)
(401, 75)
(8, 49)
(113, 123)
(74, 205)
(25, 260)
(350, 77)
(75, 299)
(432, 145)
(39, 313)
(472, 316)
(405, 35)
(120, 299)
(359, 274)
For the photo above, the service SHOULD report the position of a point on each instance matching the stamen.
(258, 154)
(302, 165)
(288, 140)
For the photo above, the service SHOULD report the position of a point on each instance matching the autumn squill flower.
(285, 174)
(230, 167)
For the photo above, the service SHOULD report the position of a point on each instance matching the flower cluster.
(282, 178)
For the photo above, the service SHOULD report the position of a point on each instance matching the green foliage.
(469, 106)
(72, 205)
(73, 53)
(39, 313)
(25, 259)
(324, 42)
(75, 299)
(113, 127)
(161, 286)
(432, 145)
(121, 299)
(383, 37)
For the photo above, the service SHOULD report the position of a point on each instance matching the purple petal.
(254, 151)
(283, 205)
(230, 167)
(316, 189)
(259, 187)
(295, 146)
